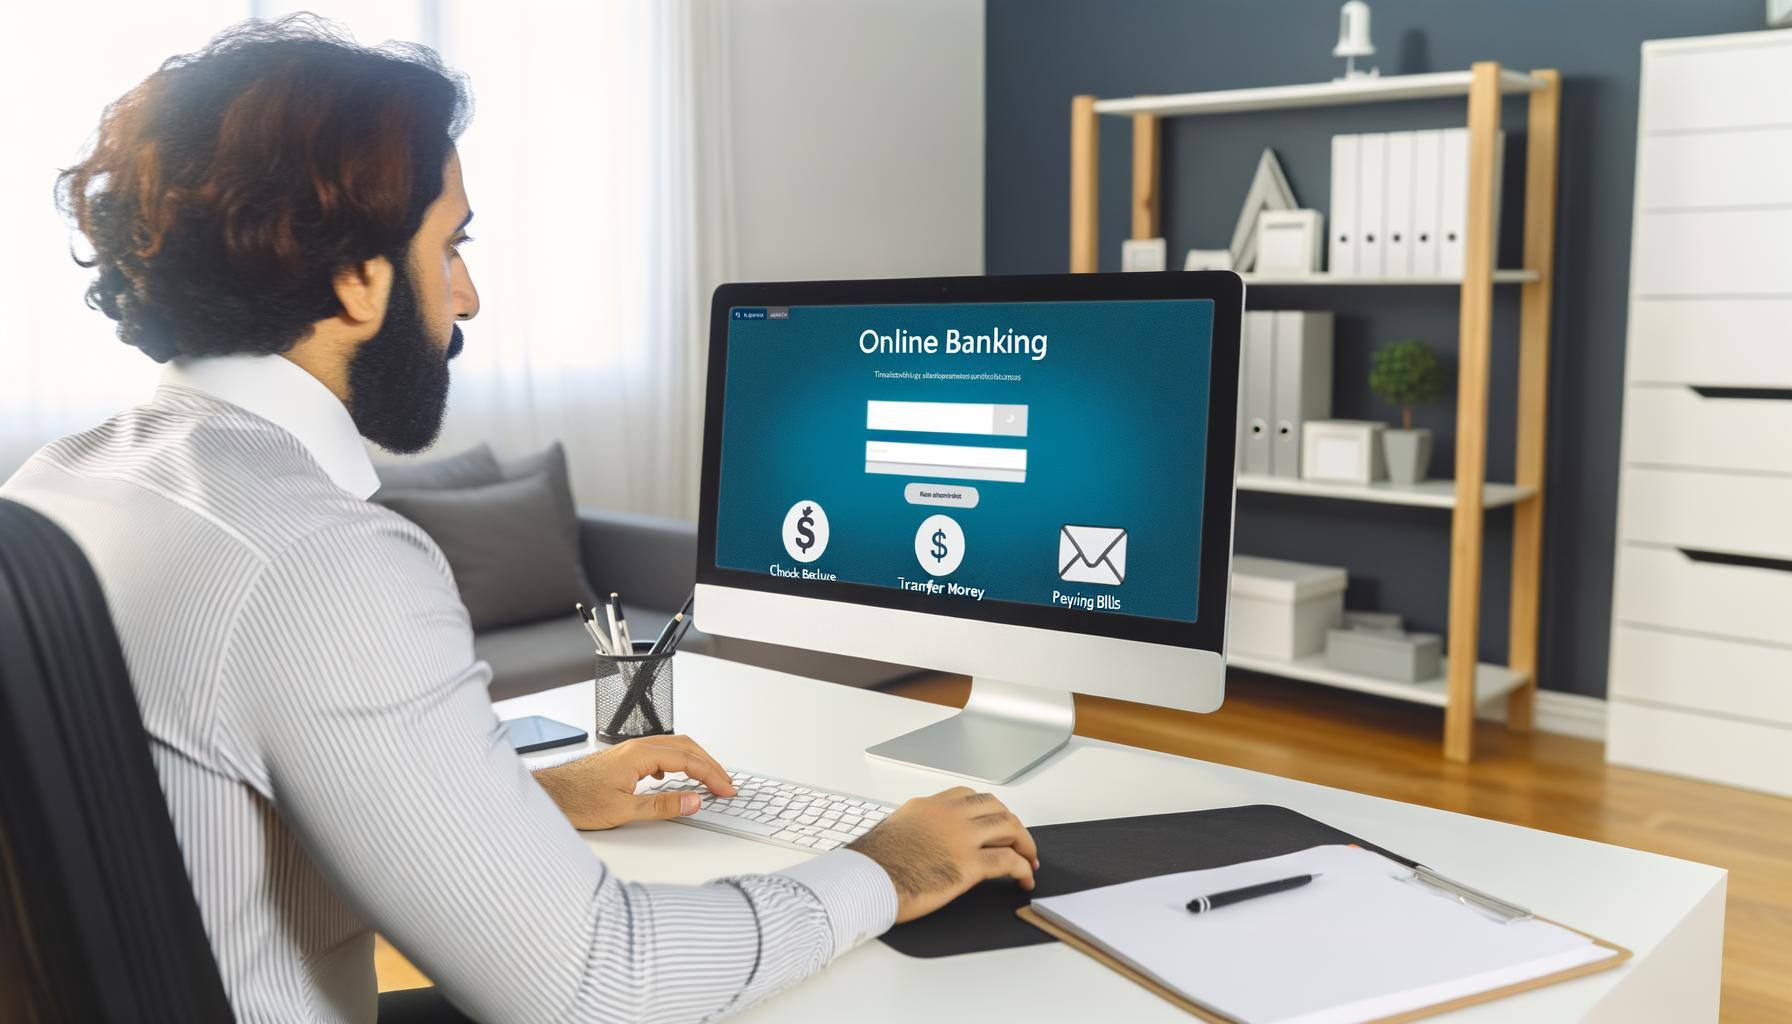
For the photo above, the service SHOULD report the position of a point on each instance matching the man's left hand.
(598, 791)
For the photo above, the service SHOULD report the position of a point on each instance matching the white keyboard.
(779, 812)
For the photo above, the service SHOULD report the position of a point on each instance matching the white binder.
(1341, 255)
(1397, 222)
(1371, 205)
(1452, 202)
(1427, 183)
(1244, 377)
(1259, 392)
(1303, 382)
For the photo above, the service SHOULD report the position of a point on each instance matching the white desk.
(1668, 912)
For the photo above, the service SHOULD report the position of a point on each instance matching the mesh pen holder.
(634, 694)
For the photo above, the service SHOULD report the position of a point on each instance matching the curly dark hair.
(224, 193)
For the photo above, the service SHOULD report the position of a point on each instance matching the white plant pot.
(1408, 454)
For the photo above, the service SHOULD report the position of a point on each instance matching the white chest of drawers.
(1701, 662)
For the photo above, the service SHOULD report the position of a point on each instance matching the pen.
(1202, 904)
(590, 628)
(665, 637)
(682, 630)
(597, 635)
(615, 634)
(624, 644)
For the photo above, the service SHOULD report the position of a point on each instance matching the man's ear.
(363, 289)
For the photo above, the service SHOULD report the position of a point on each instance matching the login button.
(948, 495)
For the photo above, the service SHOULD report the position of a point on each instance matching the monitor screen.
(1050, 454)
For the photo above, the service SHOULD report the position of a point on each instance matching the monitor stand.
(1004, 729)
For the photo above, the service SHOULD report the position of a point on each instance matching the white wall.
(858, 137)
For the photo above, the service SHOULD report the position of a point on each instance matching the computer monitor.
(1027, 480)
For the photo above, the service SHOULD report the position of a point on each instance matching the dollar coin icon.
(939, 545)
(805, 531)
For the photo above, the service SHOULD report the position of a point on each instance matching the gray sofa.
(652, 563)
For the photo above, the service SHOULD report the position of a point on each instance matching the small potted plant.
(1406, 373)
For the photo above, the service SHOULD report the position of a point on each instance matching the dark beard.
(397, 379)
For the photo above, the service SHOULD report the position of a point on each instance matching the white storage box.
(1282, 610)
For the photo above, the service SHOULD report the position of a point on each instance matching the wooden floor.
(1556, 783)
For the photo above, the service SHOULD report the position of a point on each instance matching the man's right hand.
(936, 847)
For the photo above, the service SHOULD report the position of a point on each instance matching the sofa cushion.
(512, 562)
(542, 655)
(552, 461)
(475, 467)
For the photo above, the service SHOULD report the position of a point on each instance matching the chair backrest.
(93, 890)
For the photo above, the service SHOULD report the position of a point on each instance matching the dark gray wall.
(1043, 52)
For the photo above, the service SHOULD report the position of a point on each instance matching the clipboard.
(1203, 1013)
(1090, 854)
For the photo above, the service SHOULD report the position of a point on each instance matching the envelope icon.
(1092, 554)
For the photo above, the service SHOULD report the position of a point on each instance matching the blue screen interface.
(1046, 453)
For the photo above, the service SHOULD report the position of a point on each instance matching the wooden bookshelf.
(1357, 281)
(1424, 494)
(1468, 495)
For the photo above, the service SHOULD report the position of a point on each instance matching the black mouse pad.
(1082, 855)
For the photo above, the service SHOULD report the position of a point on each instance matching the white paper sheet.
(1355, 945)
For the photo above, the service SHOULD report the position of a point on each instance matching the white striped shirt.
(332, 765)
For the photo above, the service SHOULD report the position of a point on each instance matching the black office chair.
(97, 918)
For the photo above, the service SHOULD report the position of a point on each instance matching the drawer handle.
(1749, 394)
(1746, 561)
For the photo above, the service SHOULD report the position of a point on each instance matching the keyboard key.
(777, 811)
(739, 825)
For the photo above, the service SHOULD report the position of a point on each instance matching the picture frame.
(1207, 259)
(1342, 451)
(1269, 191)
(1144, 254)
(1290, 241)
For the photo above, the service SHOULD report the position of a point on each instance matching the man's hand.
(936, 847)
(598, 791)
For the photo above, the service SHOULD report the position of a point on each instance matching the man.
(279, 218)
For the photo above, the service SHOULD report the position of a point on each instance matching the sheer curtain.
(597, 166)
(61, 367)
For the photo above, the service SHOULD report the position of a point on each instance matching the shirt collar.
(286, 395)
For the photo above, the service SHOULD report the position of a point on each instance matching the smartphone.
(537, 733)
